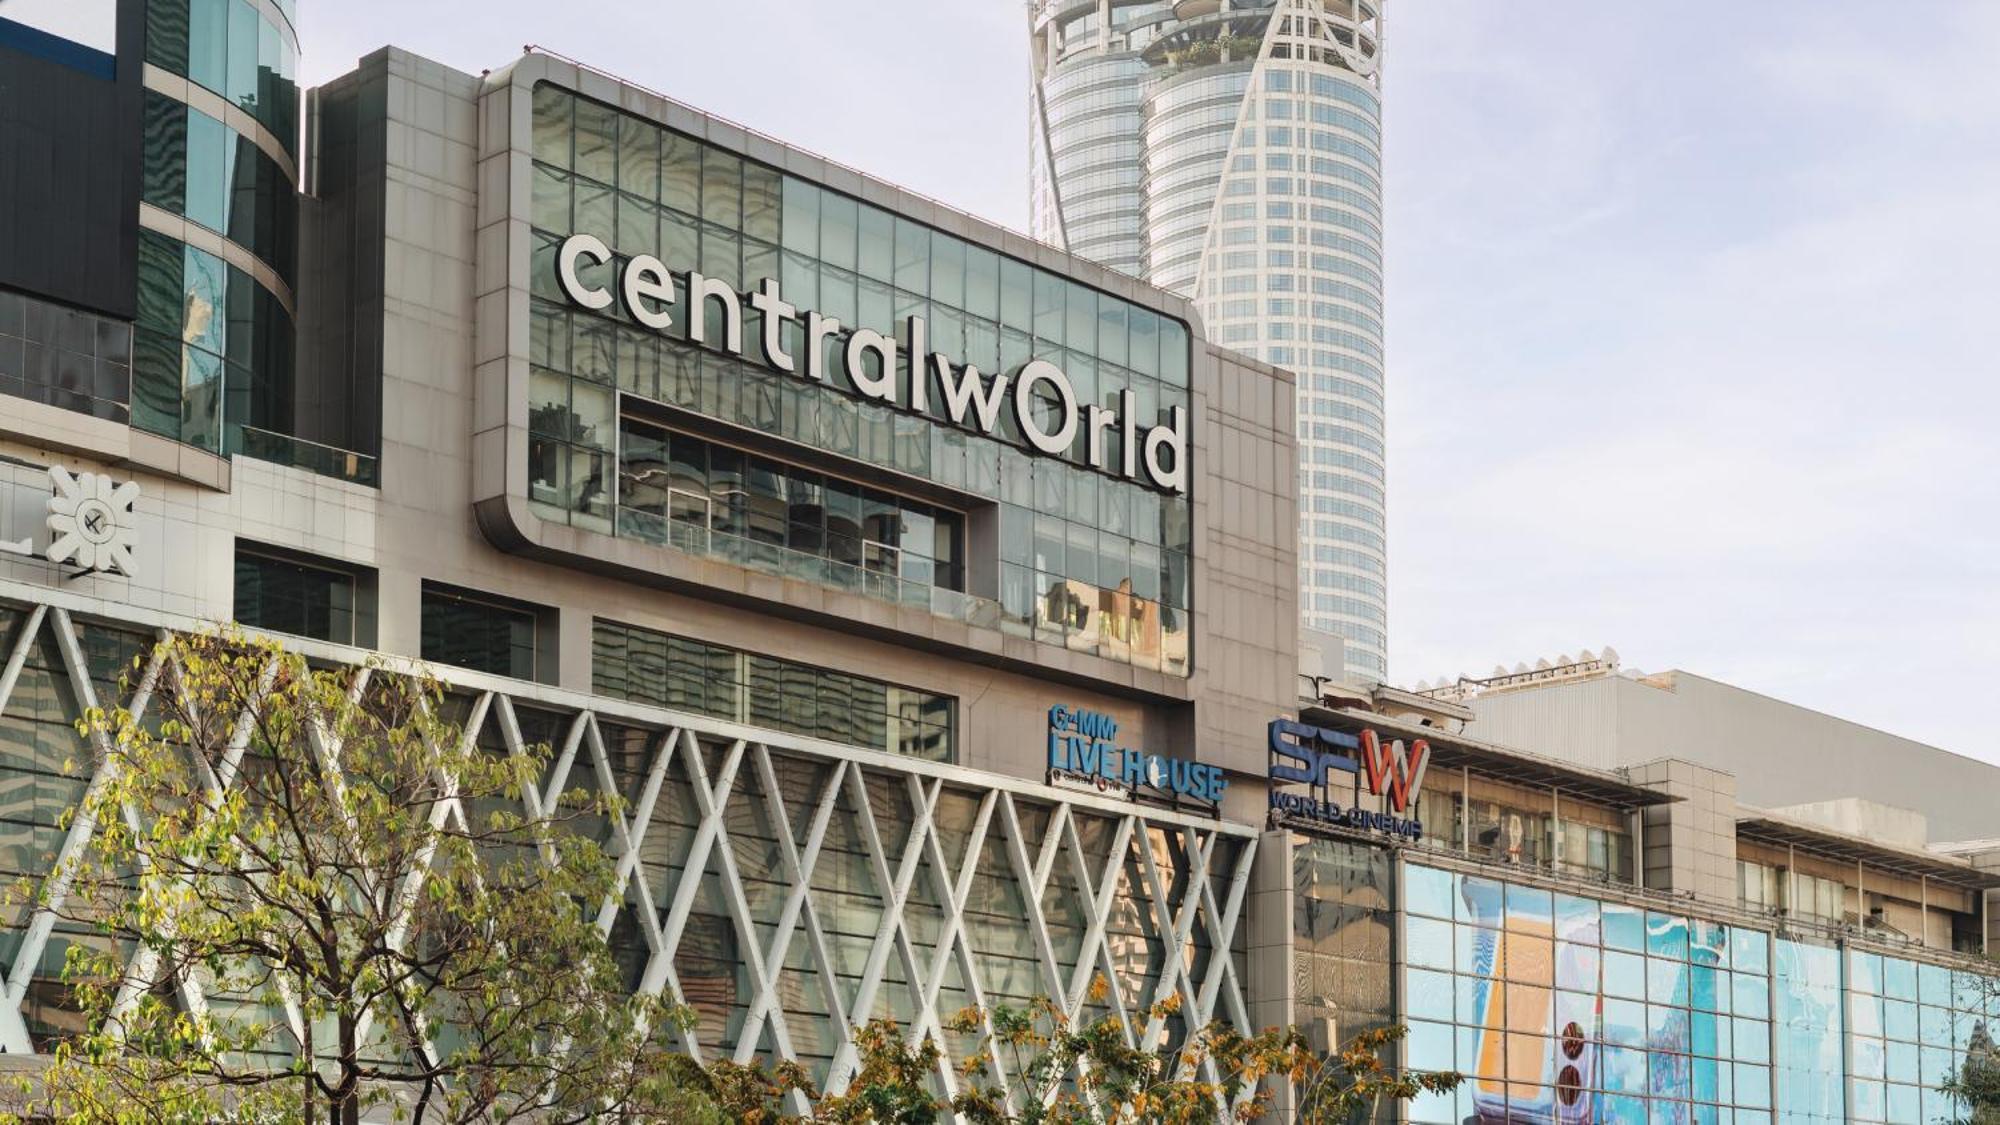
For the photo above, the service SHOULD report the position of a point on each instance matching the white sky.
(1693, 322)
(93, 23)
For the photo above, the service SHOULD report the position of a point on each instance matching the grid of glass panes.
(1562, 1007)
(467, 632)
(710, 498)
(1910, 1026)
(647, 666)
(285, 596)
(1091, 561)
(1807, 1037)
(211, 346)
(229, 47)
(1343, 923)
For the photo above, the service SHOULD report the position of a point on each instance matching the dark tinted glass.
(290, 597)
(478, 635)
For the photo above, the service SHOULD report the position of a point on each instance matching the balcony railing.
(771, 558)
(326, 460)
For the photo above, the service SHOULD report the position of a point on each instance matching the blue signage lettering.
(1299, 807)
(1080, 745)
(1292, 740)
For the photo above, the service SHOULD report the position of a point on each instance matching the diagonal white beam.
(798, 870)
(630, 835)
(1102, 893)
(895, 886)
(1031, 895)
(952, 893)
(1176, 927)
(55, 889)
(660, 973)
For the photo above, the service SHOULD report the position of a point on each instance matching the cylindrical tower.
(1257, 183)
(1086, 149)
(213, 349)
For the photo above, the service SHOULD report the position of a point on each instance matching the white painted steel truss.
(1173, 877)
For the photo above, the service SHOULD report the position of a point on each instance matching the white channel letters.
(1152, 455)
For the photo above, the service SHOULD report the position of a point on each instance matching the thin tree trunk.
(309, 1072)
(348, 1109)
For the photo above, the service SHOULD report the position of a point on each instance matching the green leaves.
(1068, 1074)
(360, 901)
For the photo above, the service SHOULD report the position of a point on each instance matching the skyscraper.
(1231, 150)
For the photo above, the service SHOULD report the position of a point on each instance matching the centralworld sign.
(645, 289)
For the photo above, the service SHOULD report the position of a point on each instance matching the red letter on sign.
(1390, 767)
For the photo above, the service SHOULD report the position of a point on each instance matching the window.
(707, 498)
(1594, 850)
(1756, 885)
(481, 633)
(646, 666)
(1815, 897)
(284, 594)
(65, 357)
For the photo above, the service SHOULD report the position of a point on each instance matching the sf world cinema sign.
(1303, 753)
(645, 289)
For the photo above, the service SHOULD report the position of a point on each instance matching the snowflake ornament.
(91, 521)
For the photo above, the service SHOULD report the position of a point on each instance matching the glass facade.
(1912, 1027)
(1249, 150)
(1573, 1009)
(212, 345)
(680, 674)
(42, 759)
(467, 632)
(1343, 927)
(1559, 1007)
(1091, 114)
(285, 596)
(208, 173)
(713, 499)
(235, 49)
(1807, 1043)
(1087, 560)
(224, 381)
(65, 357)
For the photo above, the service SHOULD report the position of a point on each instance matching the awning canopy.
(1914, 863)
(1520, 767)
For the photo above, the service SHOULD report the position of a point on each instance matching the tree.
(321, 897)
(1352, 1083)
(1976, 1086)
(1069, 1074)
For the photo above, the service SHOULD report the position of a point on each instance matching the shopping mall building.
(930, 593)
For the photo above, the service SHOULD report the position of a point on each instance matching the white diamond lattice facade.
(782, 887)
(1231, 151)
